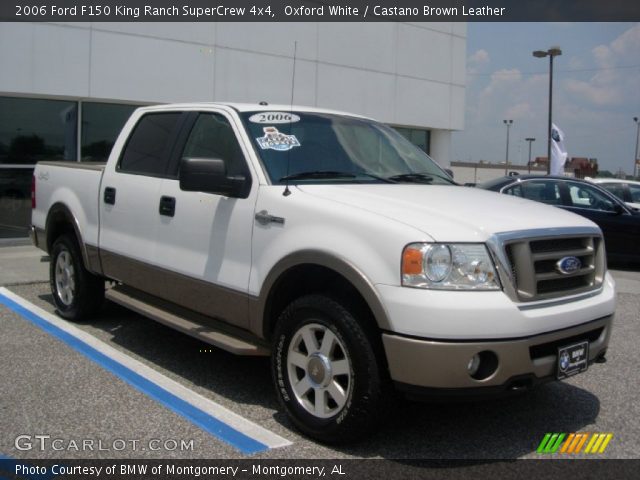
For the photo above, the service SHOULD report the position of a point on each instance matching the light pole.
(552, 52)
(530, 140)
(508, 123)
(635, 158)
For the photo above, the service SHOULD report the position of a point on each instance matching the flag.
(558, 151)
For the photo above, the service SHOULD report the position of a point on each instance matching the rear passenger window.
(542, 191)
(148, 149)
(213, 137)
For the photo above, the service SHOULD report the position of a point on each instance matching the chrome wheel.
(319, 370)
(65, 278)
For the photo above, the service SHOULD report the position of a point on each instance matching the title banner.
(320, 10)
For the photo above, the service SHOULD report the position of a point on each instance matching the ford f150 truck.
(330, 242)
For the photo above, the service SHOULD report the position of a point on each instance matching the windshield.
(321, 148)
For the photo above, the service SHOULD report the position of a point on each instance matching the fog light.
(473, 365)
(482, 365)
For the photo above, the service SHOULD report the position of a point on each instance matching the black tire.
(85, 293)
(365, 388)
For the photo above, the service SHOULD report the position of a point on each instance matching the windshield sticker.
(274, 118)
(275, 140)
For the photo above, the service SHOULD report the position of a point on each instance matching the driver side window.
(212, 137)
(539, 190)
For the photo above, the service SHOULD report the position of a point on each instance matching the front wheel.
(328, 376)
(77, 293)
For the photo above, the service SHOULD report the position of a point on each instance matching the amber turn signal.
(411, 261)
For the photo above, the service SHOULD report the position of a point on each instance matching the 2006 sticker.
(276, 140)
(274, 117)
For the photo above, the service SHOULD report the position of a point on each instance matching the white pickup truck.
(331, 243)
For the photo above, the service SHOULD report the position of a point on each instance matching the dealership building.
(66, 89)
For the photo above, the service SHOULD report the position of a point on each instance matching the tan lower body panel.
(443, 364)
(208, 330)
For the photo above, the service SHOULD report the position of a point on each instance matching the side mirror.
(449, 172)
(209, 175)
(618, 209)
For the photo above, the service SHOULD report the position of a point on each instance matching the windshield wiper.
(331, 174)
(412, 178)
(418, 178)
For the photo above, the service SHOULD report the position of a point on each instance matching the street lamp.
(635, 159)
(508, 123)
(530, 140)
(552, 52)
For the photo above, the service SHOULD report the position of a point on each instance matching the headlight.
(448, 266)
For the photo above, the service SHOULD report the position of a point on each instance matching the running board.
(220, 335)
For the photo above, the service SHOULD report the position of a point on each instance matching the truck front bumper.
(421, 366)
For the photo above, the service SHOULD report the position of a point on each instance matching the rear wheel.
(327, 374)
(77, 293)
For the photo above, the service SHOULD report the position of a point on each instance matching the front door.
(203, 240)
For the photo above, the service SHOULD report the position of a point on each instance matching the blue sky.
(596, 91)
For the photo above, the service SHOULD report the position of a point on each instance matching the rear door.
(129, 198)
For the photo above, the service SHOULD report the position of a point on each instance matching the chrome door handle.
(263, 218)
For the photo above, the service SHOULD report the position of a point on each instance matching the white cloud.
(611, 86)
(597, 95)
(603, 55)
(575, 63)
(479, 57)
(519, 111)
(628, 42)
(477, 61)
(500, 79)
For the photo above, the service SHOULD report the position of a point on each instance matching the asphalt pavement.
(51, 391)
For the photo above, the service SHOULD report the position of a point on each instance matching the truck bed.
(74, 185)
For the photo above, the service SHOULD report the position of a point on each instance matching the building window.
(101, 124)
(32, 130)
(419, 137)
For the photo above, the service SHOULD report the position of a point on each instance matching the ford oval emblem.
(568, 265)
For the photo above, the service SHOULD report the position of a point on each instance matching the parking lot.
(51, 390)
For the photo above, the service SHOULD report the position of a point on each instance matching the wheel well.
(59, 224)
(311, 278)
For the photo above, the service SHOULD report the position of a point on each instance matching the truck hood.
(449, 213)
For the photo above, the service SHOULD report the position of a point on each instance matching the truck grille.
(534, 271)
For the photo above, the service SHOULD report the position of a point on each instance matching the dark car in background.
(619, 223)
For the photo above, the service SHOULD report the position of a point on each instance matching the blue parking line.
(202, 419)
